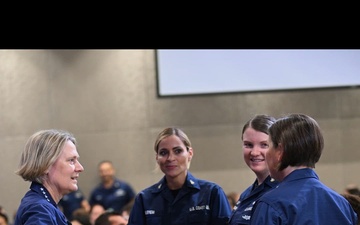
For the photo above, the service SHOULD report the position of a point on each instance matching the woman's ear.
(191, 153)
(279, 152)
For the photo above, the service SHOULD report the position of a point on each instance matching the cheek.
(268, 156)
(246, 151)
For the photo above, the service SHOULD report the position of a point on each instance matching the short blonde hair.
(41, 150)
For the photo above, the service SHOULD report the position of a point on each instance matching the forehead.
(105, 165)
(69, 149)
(170, 141)
(252, 134)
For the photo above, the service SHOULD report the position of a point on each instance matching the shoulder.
(203, 184)
(41, 212)
(38, 207)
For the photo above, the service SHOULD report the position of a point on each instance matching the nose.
(171, 156)
(254, 151)
(79, 167)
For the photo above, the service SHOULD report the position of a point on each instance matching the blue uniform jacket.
(241, 213)
(302, 199)
(114, 198)
(71, 202)
(38, 208)
(198, 202)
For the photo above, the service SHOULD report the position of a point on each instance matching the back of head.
(301, 138)
(82, 216)
(4, 218)
(95, 211)
(354, 201)
(109, 218)
(40, 152)
(352, 189)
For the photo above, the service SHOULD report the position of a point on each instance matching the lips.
(257, 160)
(170, 166)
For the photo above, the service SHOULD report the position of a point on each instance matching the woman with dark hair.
(295, 146)
(255, 135)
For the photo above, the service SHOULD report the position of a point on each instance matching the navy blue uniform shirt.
(38, 208)
(198, 202)
(241, 213)
(302, 199)
(114, 198)
(71, 202)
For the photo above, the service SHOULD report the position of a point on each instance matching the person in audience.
(352, 189)
(80, 216)
(73, 201)
(354, 201)
(95, 211)
(4, 220)
(112, 193)
(179, 197)
(255, 144)
(50, 161)
(126, 210)
(233, 197)
(295, 146)
(110, 218)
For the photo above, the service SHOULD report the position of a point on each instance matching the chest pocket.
(199, 217)
(153, 219)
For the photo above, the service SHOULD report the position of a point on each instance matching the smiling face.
(63, 174)
(173, 157)
(255, 146)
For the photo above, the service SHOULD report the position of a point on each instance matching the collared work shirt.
(114, 198)
(302, 199)
(198, 202)
(38, 208)
(241, 213)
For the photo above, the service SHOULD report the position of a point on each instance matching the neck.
(261, 177)
(55, 195)
(176, 182)
(109, 183)
(288, 170)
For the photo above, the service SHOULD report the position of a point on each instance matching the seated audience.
(73, 201)
(111, 218)
(352, 189)
(233, 197)
(354, 201)
(80, 217)
(95, 211)
(4, 219)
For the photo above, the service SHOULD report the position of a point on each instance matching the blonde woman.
(179, 197)
(50, 161)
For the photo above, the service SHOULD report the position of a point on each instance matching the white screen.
(200, 71)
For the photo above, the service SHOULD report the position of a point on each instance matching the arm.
(220, 207)
(43, 215)
(137, 216)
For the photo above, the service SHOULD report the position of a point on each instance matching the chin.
(74, 188)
